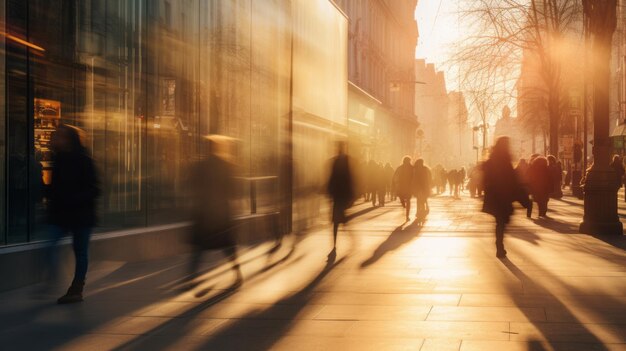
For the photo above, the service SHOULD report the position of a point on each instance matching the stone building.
(382, 40)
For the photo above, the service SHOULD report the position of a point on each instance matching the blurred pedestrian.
(475, 183)
(379, 185)
(541, 184)
(72, 196)
(389, 181)
(618, 166)
(462, 176)
(501, 189)
(212, 189)
(404, 176)
(556, 177)
(422, 184)
(341, 190)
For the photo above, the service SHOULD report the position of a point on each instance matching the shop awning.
(620, 130)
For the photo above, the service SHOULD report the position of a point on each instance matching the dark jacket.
(540, 180)
(422, 181)
(212, 189)
(340, 183)
(403, 177)
(502, 188)
(73, 190)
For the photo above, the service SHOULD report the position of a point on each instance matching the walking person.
(404, 176)
(340, 189)
(540, 184)
(501, 189)
(389, 181)
(212, 189)
(556, 177)
(422, 183)
(72, 196)
(618, 166)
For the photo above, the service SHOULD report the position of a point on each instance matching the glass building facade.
(147, 79)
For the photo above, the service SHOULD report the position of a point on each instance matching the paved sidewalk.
(392, 286)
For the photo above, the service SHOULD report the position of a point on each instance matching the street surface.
(392, 286)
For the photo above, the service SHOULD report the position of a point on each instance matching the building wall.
(382, 39)
(431, 106)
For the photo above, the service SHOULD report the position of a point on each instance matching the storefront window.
(145, 81)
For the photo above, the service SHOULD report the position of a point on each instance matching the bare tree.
(502, 33)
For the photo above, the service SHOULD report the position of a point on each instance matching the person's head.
(551, 160)
(522, 162)
(419, 162)
(406, 160)
(388, 165)
(500, 149)
(66, 139)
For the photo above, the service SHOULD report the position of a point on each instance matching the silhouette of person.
(72, 195)
(502, 188)
(389, 181)
(462, 176)
(540, 184)
(340, 189)
(212, 189)
(618, 166)
(422, 183)
(556, 176)
(404, 176)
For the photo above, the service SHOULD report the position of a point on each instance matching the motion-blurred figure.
(403, 177)
(380, 184)
(71, 198)
(341, 189)
(556, 176)
(540, 184)
(475, 183)
(618, 166)
(501, 189)
(389, 181)
(422, 183)
(462, 176)
(212, 188)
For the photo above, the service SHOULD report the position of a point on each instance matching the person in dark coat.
(212, 189)
(389, 181)
(379, 185)
(422, 184)
(540, 184)
(502, 188)
(556, 176)
(340, 189)
(72, 195)
(618, 166)
(403, 177)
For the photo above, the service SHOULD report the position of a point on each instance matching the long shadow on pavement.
(400, 236)
(232, 335)
(547, 328)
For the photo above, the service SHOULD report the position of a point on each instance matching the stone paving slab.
(392, 286)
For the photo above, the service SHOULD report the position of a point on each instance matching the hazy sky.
(439, 31)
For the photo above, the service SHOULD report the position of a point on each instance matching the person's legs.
(500, 226)
(529, 209)
(81, 252)
(408, 207)
(543, 207)
(80, 245)
(231, 253)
